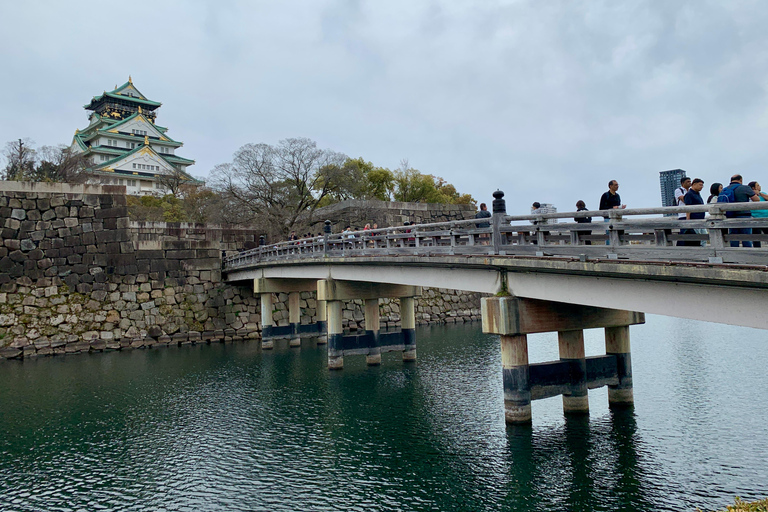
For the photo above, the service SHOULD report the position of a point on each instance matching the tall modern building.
(124, 144)
(669, 181)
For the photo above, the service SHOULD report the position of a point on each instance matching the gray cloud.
(546, 100)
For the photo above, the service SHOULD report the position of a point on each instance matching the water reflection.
(229, 427)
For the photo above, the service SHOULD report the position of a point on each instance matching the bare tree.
(279, 184)
(20, 155)
(176, 182)
(60, 164)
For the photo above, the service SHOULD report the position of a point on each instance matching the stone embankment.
(77, 276)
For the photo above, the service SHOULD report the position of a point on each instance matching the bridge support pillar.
(516, 378)
(294, 318)
(617, 344)
(322, 322)
(335, 336)
(571, 345)
(372, 328)
(513, 318)
(408, 326)
(266, 321)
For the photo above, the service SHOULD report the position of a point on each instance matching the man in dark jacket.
(741, 194)
(610, 200)
(483, 214)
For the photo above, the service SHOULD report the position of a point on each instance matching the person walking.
(693, 197)
(581, 206)
(741, 194)
(759, 214)
(685, 186)
(611, 200)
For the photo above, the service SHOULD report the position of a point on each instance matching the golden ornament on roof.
(146, 140)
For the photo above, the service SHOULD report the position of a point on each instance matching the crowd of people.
(689, 193)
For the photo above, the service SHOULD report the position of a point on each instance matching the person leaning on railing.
(581, 206)
(741, 194)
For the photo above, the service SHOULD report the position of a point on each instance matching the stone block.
(18, 214)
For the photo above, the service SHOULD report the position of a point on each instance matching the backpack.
(727, 196)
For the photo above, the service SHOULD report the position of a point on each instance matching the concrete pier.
(294, 318)
(571, 345)
(408, 325)
(373, 342)
(335, 336)
(266, 321)
(617, 344)
(372, 328)
(516, 378)
(514, 318)
(322, 323)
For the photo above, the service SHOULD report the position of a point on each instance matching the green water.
(230, 428)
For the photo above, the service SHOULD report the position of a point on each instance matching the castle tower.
(126, 147)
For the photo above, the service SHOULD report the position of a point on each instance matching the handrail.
(627, 234)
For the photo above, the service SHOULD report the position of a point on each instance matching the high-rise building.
(669, 181)
(126, 147)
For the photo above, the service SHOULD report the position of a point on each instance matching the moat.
(229, 427)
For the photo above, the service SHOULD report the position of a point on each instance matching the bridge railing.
(638, 234)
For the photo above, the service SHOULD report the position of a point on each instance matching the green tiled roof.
(121, 97)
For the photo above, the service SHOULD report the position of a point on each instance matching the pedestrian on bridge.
(611, 200)
(760, 214)
(581, 206)
(685, 186)
(483, 213)
(714, 191)
(693, 197)
(741, 194)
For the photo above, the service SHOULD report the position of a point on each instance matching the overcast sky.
(546, 100)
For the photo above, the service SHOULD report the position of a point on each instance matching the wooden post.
(617, 343)
(408, 327)
(335, 336)
(571, 345)
(372, 327)
(516, 378)
(322, 322)
(294, 318)
(266, 321)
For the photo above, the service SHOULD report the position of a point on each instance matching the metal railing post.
(499, 212)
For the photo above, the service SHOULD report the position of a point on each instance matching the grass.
(743, 506)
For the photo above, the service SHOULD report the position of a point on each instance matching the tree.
(175, 182)
(60, 164)
(21, 157)
(409, 185)
(277, 184)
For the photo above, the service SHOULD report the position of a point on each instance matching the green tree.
(412, 186)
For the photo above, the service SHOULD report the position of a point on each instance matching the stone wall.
(77, 276)
(356, 214)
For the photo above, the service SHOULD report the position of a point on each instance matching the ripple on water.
(228, 428)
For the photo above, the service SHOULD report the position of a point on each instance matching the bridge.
(540, 274)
